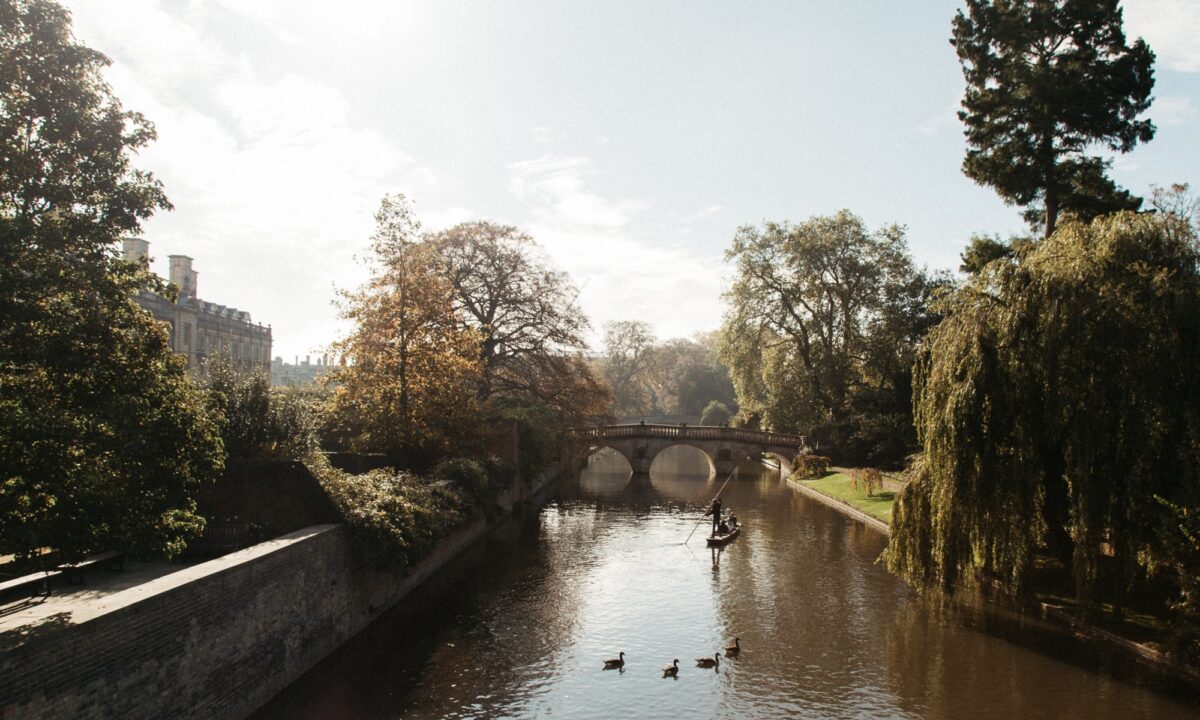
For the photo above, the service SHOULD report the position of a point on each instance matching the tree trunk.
(1051, 213)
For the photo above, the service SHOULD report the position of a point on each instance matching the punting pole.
(693, 532)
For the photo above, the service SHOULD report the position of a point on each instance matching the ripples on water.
(522, 628)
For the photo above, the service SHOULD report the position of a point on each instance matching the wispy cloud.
(1171, 27)
(706, 212)
(541, 135)
(625, 270)
(624, 277)
(553, 187)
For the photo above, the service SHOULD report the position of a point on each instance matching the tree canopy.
(1046, 81)
(627, 366)
(1058, 406)
(688, 376)
(102, 437)
(529, 325)
(411, 373)
(821, 329)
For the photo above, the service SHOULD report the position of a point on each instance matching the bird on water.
(615, 663)
(706, 662)
(671, 670)
(734, 649)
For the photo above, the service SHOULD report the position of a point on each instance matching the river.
(520, 628)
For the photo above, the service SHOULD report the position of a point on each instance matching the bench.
(27, 586)
(114, 559)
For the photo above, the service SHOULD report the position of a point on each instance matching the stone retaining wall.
(215, 640)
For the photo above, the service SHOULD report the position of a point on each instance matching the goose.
(671, 670)
(711, 662)
(734, 649)
(614, 663)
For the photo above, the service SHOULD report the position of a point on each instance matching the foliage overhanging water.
(521, 628)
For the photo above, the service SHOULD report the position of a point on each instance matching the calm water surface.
(520, 629)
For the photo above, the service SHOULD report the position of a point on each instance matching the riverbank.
(220, 638)
(837, 491)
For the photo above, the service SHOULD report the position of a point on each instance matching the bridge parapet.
(689, 432)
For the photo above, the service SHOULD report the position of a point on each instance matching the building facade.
(302, 372)
(202, 329)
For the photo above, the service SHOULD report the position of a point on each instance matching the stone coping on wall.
(92, 601)
(191, 574)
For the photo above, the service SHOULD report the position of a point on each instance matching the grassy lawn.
(838, 486)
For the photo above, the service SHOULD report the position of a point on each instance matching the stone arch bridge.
(724, 447)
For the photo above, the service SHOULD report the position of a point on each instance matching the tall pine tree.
(1048, 80)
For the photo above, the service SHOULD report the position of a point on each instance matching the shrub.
(395, 517)
(869, 478)
(811, 466)
(465, 473)
(260, 422)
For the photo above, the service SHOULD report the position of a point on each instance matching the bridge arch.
(708, 458)
(785, 460)
(597, 448)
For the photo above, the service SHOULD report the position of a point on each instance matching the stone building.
(201, 329)
(303, 372)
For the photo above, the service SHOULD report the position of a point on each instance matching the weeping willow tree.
(1058, 404)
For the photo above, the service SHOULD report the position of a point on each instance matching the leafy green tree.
(687, 376)
(1046, 81)
(628, 366)
(821, 330)
(102, 437)
(981, 251)
(716, 413)
(1181, 541)
(1058, 405)
(260, 421)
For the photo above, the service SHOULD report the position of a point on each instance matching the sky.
(630, 139)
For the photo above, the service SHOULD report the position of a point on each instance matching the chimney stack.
(135, 248)
(183, 277)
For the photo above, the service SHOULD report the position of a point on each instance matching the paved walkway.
(69, 600)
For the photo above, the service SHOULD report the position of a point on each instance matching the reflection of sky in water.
(521, 631)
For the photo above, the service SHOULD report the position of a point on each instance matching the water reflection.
(522, 630)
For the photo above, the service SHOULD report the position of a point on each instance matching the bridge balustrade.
(686, 432)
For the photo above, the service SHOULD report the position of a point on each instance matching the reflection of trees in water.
(940, 666)
(805, 613)
(500, 658)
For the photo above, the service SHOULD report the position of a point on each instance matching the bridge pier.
(640, 479)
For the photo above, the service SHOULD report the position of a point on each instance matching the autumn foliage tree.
(412, 368)
(525, 314)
